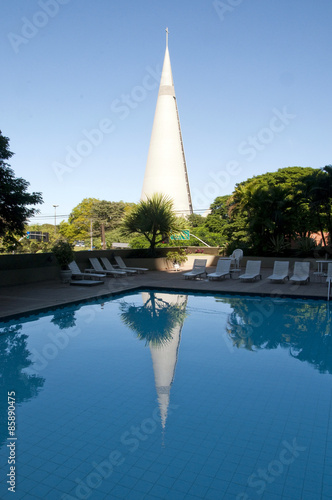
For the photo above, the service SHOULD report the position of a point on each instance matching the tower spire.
(167, 33)
(166, 170)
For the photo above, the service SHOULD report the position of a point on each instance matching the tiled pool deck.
(21, 299)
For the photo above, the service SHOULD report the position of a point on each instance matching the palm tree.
(154, 218)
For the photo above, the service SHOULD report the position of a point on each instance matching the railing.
(197, 238)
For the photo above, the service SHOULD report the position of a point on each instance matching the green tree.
(195, 220)
(219, 216)
(273, 206)
(80, 220)
(15, 202)
(318, 190)
(71, 232)
(107, 215)
(154, 218)
(100, 215)
(29, 245)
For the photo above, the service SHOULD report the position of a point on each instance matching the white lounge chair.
(77, 273)
(301, 272)
(222, 269)
(123, 266)
(253, 271)
(329, 280)
(99, 270)
(108, 266)
(329, 273)
(236, 257)
(280, 271)
(198, 269)
(83, 282)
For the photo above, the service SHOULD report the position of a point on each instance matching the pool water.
(157, 395)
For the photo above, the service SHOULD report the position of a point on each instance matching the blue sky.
(80, 82)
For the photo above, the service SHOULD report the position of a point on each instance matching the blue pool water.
(170, 396)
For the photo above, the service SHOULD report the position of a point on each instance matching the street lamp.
(55, 207)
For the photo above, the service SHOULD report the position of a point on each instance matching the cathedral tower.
(166, 170)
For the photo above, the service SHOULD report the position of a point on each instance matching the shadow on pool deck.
(21, 299)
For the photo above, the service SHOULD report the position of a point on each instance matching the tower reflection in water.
(159, 323)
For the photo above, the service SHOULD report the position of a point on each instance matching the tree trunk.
(321, 228)
(153, 244)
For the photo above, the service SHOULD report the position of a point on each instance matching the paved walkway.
(22, 299)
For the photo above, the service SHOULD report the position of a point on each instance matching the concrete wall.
(27, 268)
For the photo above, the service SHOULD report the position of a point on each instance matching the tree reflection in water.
(64, 318)
(302, 327)
(156, 319)
(14, 360)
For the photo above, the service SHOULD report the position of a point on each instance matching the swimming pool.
(156, 395)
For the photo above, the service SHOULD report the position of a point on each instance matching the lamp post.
(55, 207)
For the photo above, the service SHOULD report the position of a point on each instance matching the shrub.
(176, 257)
(277, 245)
(63, 252)
(305, 247)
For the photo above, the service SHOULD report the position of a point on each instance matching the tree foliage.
(16, 204)
(80, 220)
(154, 218)
(218, 219)
(265, 213)
(273, 206)
(318, 191)
(94, 213)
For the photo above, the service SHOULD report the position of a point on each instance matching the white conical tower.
(166, 170)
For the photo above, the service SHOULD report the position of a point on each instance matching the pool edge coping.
(184, 289)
